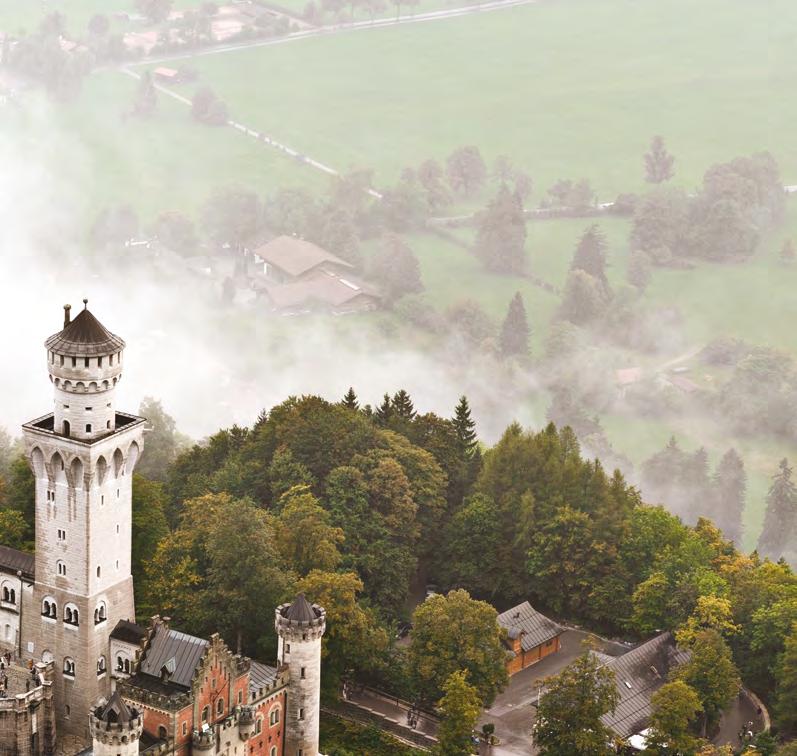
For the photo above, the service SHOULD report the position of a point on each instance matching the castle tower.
(300, 626)
(82, 456)
(115, 728)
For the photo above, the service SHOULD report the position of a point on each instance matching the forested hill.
(353, 504)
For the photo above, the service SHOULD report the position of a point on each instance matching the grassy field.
(563, 99)
(24, 17)
(167, 162)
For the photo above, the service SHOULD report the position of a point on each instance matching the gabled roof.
(261, 676)
(178, 653)
(640, 673)
(85, 336)
(14, 560)
(533, 628)
(296, 256)
(320, 289)
(128, 632)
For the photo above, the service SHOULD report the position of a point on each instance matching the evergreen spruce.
(787, 253)
(350, 400)
(590, 255)
(658, 162)
(781, 514)
(464, 426)
(730, 489)
(402, 405)
(786, 690)
(501, 234)
(384, 412)
(515, 332)
(146, 97)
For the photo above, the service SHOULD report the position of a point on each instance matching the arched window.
(69, 666)
(259, 725)
(273, 751)
(99, 571)
(9, 594)
(101, 666)
(162, 732)
(205, 714)
(67, 428)
(100, 613)
(219, 707)
(71, 615)
(9, 633)
(49, 608)
(274, 715)
(60, 567)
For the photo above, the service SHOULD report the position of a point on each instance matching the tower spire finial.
(85, 304)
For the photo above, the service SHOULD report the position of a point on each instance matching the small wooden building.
(531, 636)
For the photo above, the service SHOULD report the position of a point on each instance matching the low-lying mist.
(212, 365)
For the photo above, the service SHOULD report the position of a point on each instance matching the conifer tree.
(658, 162)
(781, 514)
(384, 412)
(786, 690)
(350, 400)
(787, 253)
(501, 234)
(515, 332)
(590, 255)
(146, 97)
(402, 405)
(730, 488)
(464, 426)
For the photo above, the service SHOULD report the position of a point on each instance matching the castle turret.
(115, 728)
(300, 626)
(82, 455)
(85, 364)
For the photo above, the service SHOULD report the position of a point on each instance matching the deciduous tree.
(452, 633)
(466, 170)
(568, 720)
(675, 708)
(501, 234)
(459, 710)
(658, 162)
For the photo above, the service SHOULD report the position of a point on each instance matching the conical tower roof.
(300, 610)
(85, 336)
(116, 710)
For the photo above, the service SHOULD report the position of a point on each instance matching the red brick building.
(531, 636)
(195, 695)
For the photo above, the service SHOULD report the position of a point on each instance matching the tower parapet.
(115, 728)
(300, 627)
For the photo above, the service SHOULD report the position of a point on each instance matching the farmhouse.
(640, 673)
(287, 259)
(322, 292)
(531, 636)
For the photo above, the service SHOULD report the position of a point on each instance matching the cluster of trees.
(684, 481)
(723, 221)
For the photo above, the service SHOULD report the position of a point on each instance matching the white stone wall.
(304, 696)
(9, 612)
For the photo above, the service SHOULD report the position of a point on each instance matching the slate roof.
(128, 632)
(85, 336)
(261, 676)
(116, 710)
(296, 256)
(536, 628)
(14, 560)
(300, 610)
(172, 648)
(640, 673)
(319, 288)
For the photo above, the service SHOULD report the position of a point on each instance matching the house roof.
(128, 632)
(14, 560)
(320, 289)
(261, 676)
(296, 256)
(527, 623)
(179, 653)
(640, 673)
(85, 336)
(627, 376)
